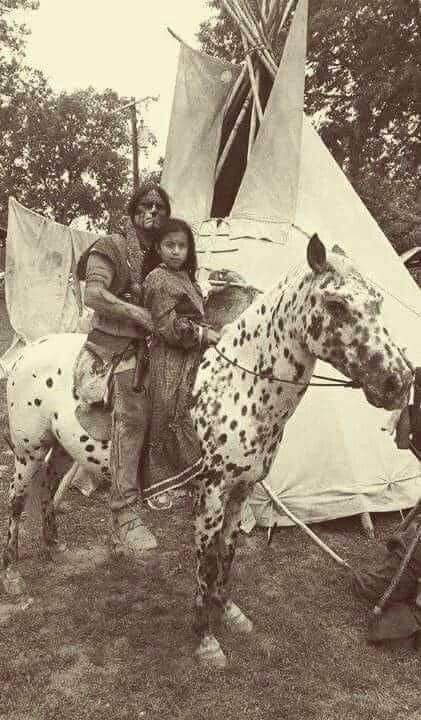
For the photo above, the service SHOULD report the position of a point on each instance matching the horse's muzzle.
(393, 392)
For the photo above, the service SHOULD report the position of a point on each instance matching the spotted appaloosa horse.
(325, 311)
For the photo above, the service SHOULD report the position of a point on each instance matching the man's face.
(150, 212)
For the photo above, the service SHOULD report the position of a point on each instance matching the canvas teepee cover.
(335, 460)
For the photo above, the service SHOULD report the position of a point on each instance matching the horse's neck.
(267, 339)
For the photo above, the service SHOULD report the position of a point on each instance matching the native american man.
(114, 269)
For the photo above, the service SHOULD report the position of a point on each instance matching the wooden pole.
(251, 32)
(304, 527)
(285, 14)
(252, 133)
(135, 148)
(233, 134)
(235, 88)
(252, 76)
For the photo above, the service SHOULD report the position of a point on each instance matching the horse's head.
(344, 326)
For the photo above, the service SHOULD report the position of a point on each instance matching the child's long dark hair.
(177, 225)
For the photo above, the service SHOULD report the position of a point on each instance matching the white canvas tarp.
(40, 255)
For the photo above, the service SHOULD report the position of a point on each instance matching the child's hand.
(213, 336)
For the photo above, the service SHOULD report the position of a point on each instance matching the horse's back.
(50, 355)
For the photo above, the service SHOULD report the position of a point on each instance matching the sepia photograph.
(210, 360)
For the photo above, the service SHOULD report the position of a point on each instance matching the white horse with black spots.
(246, 390)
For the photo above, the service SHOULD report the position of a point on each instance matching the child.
(171, 293)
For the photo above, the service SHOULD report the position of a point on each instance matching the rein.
(331, 381)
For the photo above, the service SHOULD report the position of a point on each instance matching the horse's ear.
(316, 254)
(339, 250)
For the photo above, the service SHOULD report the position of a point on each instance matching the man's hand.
(143, 317)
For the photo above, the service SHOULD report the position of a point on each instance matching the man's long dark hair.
(178, 225)
(141, 192)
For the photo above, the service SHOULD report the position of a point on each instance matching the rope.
(331, 381)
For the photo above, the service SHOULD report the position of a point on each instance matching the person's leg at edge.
(130, 417)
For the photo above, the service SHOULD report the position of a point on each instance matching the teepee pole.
(252, 76)
(253, 119)
(285, 14)
(233, 134)
(257, 22)
(241, 19)
(252, 133)
(235, 88)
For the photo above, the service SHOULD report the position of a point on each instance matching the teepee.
(246, 167)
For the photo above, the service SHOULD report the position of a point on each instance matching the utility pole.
(135, 147)
(135, 140)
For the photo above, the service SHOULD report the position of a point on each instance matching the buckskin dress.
(173, 455)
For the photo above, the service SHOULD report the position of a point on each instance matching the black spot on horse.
(56, 415)
(93, 460)
(84, 438)
(299, 371)
(90, 448)
(49, 382)
(233, 424)
(222, 439)
(244, 410)
(59, 371)
(37, 402)
(316, 326)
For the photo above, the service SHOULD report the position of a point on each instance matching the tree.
(66, 155)
(364, 86)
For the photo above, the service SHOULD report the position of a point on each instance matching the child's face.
(173, 249)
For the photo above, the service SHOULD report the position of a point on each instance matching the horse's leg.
(232, 615)
(49, 485)
(208, 525)
(26, 469)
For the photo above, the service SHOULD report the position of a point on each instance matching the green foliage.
(364, 86)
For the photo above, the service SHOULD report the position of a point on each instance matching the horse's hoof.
(210, 654)
(235, 619)
(13, 582)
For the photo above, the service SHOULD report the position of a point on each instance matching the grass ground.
(106, 640)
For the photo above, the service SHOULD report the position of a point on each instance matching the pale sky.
(118, 44)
